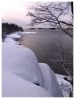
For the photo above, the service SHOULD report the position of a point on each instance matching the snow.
(14, 35)
(62, 76)
(15, 86)
(23, 33)
(65, 85)
(21, 72)
(21, 61)
(10, 41)
(28, 32)
(50, 81)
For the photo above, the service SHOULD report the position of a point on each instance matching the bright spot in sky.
(15, 11)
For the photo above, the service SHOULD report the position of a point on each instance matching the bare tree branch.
(50, 13)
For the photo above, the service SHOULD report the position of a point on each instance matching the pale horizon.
(15, 11)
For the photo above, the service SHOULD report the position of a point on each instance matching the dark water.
(49, 47)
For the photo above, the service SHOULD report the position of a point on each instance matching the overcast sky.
(15, 11)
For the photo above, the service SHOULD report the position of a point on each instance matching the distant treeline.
(10, 28)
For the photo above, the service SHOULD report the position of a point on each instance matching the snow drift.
(50, 81)
(23, 76)
(21, 61)
(15, 86)
(14, 35)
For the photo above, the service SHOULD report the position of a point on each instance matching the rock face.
(22, 74)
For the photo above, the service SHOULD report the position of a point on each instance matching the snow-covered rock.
(10, 41)
(23, 76)
(14, 35)
(15, 86)
(64, 84)
(21, 61)
(50, 81)
(27, 32)
(23, 33)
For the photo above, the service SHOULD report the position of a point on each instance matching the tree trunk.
(72, 7)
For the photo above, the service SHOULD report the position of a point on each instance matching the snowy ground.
(65, 85)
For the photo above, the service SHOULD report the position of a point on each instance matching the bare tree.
(51, 13)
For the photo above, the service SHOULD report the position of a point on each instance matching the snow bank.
(21, 61)
(21, 71)
(10, 41)
(50, 81)
(27, 32)
(14, 35)
(65, 85)
(23, 33)
(15, 86)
